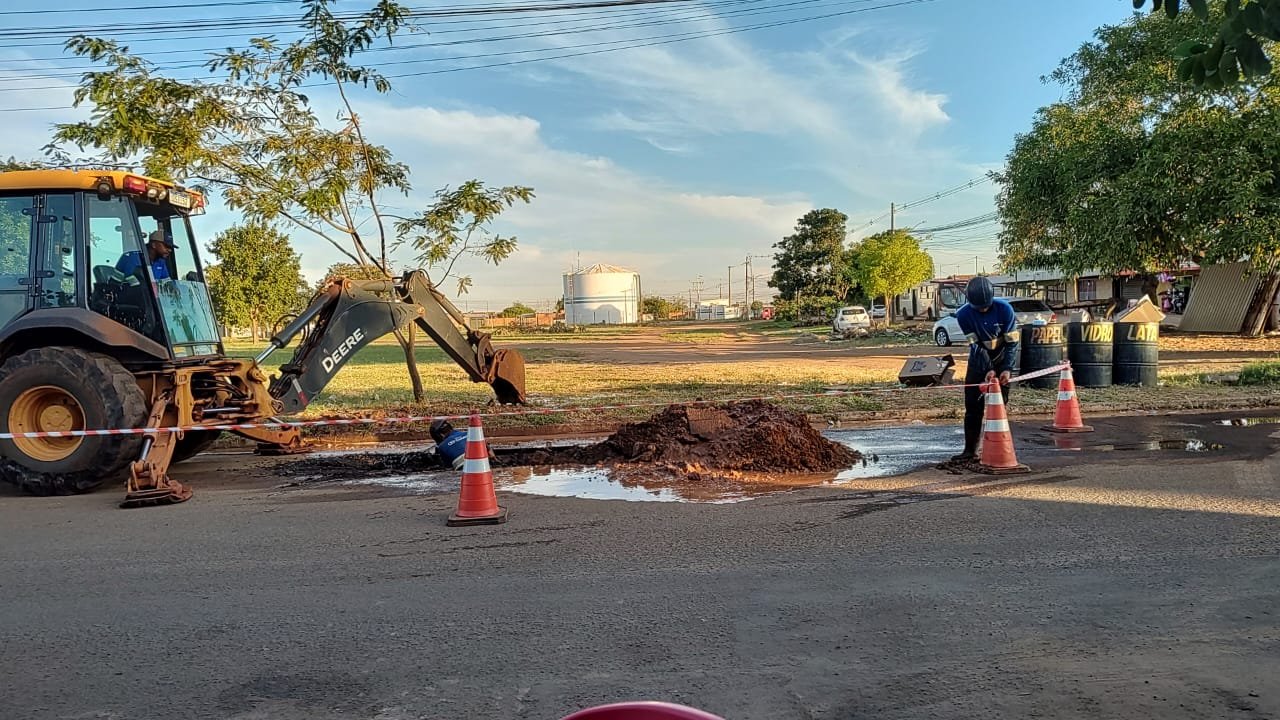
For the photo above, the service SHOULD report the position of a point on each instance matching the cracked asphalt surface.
(1141, 584)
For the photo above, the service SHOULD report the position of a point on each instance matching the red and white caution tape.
(413, 419)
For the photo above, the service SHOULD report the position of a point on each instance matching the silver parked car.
(1028, 311)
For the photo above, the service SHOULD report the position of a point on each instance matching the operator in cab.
(990, 326)
(160, 246)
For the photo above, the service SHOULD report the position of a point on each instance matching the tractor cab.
(81, 246)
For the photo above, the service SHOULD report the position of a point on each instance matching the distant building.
(719, 309)
(602, 295)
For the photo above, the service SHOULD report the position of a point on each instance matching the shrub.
(1263, 373)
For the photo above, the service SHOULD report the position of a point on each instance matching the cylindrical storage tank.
(602, 294)
(1137, 353)
(1043, 346)
(1089, 348)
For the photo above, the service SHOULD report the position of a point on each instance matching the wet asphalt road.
(1110, 584)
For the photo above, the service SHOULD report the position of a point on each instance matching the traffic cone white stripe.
(1001, 425)
(475, 434)
(1065, 395)
(995, 398)
(476, 466)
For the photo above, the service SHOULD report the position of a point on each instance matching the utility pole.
(975, 264)
(730, 279)
(746, 280)
(892, 210)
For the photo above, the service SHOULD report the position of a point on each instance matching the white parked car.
(877, 310)
(1028, 311)
(850, 316)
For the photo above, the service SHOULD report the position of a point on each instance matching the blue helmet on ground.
(980, 293)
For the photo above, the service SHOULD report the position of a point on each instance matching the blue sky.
(677, 160)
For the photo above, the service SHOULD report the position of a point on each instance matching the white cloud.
(840, 108)
(917, 109)
(585, 205)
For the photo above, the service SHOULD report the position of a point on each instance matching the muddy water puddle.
(1079, 443)
(887, 452)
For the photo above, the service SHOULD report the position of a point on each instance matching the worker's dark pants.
(975, 403)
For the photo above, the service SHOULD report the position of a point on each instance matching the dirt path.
(653, 345)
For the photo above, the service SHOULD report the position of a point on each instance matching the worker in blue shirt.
(451, 445)
(159, 247)
(990, 326)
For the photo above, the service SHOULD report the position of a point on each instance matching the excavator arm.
(342, 319)
(350, 314)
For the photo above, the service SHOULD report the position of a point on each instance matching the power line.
(575, 31)
(945, 193)
(269, 21)
(894, 208)
(678, 37)
(960, 224)
(125, 8)
(481, 24)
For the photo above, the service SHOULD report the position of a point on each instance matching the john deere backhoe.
(99, 331)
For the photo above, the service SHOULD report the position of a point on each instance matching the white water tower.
(602, 294)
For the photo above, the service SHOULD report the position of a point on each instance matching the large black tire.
(193, 444)
(108, 397)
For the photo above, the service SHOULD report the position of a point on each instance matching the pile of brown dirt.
(750, 436)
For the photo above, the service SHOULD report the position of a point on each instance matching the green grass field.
(375, 383)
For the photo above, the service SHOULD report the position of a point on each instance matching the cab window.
(16, 224)
(118, 284)
(57, 230)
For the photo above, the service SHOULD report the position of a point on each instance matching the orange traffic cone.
(1066, 419)
(997, 456)
(477, 501)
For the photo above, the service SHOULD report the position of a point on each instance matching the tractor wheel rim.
(46, 408)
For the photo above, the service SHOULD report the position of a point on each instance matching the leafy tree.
(890, 263)
(806, 309)
(1240, 46)
(516, 310)
(258, 277)
(659, 307)
(250, 132)
(814, 261)
(350, 270)
(1136, 171)
(15, 164)
(459, 224)
(756, 308)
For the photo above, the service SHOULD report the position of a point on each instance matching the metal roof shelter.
(1221, 298)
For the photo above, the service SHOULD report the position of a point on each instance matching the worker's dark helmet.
(440, 429)
(980, 293)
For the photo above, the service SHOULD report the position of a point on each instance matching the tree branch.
(307, 226)
(368, 166)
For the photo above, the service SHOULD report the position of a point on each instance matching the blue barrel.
(1090, 348)
(1043, 346)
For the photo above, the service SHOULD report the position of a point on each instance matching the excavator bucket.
(507, 377)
